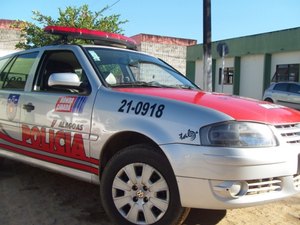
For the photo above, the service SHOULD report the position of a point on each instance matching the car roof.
(286, 82)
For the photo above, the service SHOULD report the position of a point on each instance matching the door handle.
(28, 107)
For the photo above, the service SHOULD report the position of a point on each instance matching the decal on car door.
(70, 104)
(11, 107)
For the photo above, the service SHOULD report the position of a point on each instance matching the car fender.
(168, 122)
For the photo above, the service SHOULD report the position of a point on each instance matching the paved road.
(31, 196)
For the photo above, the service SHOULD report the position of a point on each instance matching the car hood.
(239, 108)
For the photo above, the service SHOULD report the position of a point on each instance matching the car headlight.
(237, 134)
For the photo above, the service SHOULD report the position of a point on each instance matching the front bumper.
(224, 178)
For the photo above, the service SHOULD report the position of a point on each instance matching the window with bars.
(228, 75)
(286, 72)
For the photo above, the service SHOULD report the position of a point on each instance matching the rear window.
(294, 88)
(3, 62)
(15, 74)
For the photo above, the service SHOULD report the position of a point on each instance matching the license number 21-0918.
(142, 108)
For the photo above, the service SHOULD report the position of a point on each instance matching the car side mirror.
(64, 80)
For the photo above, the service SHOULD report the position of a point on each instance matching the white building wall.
(175, 55)
(228, 88)
(252, 72)
(251, 80)
(199, 73)
(8, 40)
(229, 62)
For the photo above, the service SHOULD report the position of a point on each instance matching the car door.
(280, 93)
(13, 77)
(56, 122)
(294, 95)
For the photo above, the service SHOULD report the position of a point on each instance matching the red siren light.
(97, 36)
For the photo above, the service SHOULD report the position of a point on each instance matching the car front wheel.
(138, 187)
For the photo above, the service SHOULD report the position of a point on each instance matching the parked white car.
(284, 93)
(154, 142)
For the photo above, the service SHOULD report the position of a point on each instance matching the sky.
(176, 18)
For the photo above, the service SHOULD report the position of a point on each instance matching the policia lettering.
(49, 140)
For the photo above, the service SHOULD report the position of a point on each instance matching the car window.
(3, 62)
(149, 72)
(294, 88)
(15, 75)
(281, 87)
(112, 73)
(131, 69)
(59, 62)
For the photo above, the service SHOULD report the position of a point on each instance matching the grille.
(290, 132)
(264, 186)
(297, 181)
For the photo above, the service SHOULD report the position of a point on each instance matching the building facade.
(9, 37)
(170, 49)
(252, 63)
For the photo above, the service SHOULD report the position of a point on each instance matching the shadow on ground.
(204, 217)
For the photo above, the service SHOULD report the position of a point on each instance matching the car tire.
(138, 186)
(1, 161)
(269, 100)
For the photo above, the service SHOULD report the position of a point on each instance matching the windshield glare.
(121, 68)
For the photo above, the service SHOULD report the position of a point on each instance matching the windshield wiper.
(153, 84)
(141, 84)
(182, 86)
(148, 84)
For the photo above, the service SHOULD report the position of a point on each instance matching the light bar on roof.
(99, 37)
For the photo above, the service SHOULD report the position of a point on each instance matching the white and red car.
(155, 143)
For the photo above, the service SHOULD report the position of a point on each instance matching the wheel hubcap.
(140, 193)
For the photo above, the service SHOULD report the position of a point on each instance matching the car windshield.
(121, 68)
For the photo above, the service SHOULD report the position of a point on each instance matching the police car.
(155, 143)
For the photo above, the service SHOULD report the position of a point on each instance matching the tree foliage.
(32, 34)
